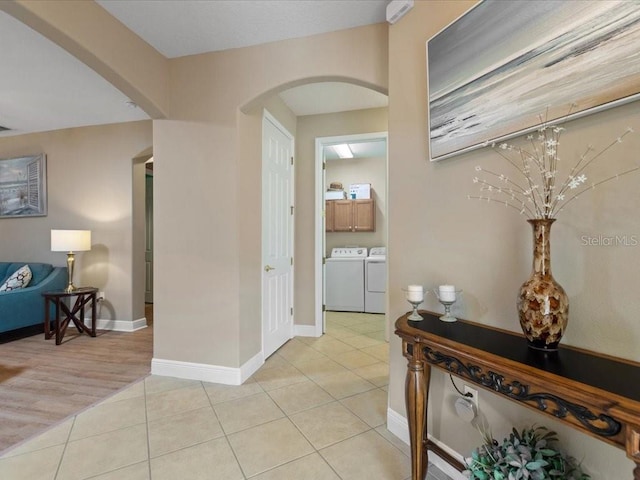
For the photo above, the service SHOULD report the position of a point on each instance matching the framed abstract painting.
(504, 67)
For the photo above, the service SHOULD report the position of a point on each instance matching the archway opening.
(309, 108)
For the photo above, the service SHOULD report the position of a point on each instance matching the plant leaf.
(533, 466)
(548, 452)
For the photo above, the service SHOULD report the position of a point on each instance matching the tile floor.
(316, 410)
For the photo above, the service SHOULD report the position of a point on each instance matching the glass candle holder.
(415, 296)
(447, 297)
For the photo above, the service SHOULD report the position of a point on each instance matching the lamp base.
(70, 260)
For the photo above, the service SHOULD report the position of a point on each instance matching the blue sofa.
(25, 307)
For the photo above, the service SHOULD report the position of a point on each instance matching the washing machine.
(375, 280)
(344, 279)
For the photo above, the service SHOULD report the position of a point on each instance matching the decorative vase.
(543, 305)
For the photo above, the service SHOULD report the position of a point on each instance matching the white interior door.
(277, 235)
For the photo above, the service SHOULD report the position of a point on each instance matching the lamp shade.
(70, 240)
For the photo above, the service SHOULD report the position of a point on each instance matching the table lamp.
(70, 241)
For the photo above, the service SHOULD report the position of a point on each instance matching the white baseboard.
(398, 425)
(118, 325)
(205, 372)
(251, 366)
(305, 331)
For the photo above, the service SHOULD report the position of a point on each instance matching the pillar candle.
(447, 293)
(415, 293)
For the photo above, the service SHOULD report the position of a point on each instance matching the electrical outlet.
(100, 296)
(474, 395)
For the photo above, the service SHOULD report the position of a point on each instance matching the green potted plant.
(529, 455)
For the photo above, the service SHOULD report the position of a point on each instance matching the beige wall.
(486, 250)
(90, 187)
(207, 185)
(309, 128)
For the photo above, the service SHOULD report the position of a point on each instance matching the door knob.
(268, 268)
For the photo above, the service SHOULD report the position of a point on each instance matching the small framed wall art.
(23, 186)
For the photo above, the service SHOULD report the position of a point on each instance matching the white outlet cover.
(465, 409)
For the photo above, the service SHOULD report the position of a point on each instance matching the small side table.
(83, 296)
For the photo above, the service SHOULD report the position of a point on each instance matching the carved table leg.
(416, 395)
(633, 448)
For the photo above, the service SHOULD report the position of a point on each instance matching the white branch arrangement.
(538, 193)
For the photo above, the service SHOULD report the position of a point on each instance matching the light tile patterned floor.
(315, 410)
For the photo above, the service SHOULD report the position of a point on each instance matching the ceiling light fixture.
(343, 150)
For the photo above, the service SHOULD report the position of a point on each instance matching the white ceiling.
(187, 27)
(42, 87)
(328, 97)
(366, 149)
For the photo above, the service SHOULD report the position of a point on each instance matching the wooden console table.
(75, 314)
(596, 394)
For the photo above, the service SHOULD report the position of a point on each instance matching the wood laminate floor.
(42, 384)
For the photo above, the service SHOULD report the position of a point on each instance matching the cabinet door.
(328, 215)
(342, 215)
(364, 215)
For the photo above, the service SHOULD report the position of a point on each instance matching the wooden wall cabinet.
(350, 215)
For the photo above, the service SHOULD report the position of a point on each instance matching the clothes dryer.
(375, 280)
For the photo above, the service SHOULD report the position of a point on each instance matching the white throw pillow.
(19, 279)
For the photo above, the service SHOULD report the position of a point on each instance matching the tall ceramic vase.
(543, 305)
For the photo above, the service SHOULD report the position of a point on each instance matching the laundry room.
(367, 169)
(355, 226)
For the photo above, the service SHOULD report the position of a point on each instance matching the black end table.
(75, 314)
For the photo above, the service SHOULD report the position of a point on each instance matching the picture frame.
(23, 186)
(503, 68)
